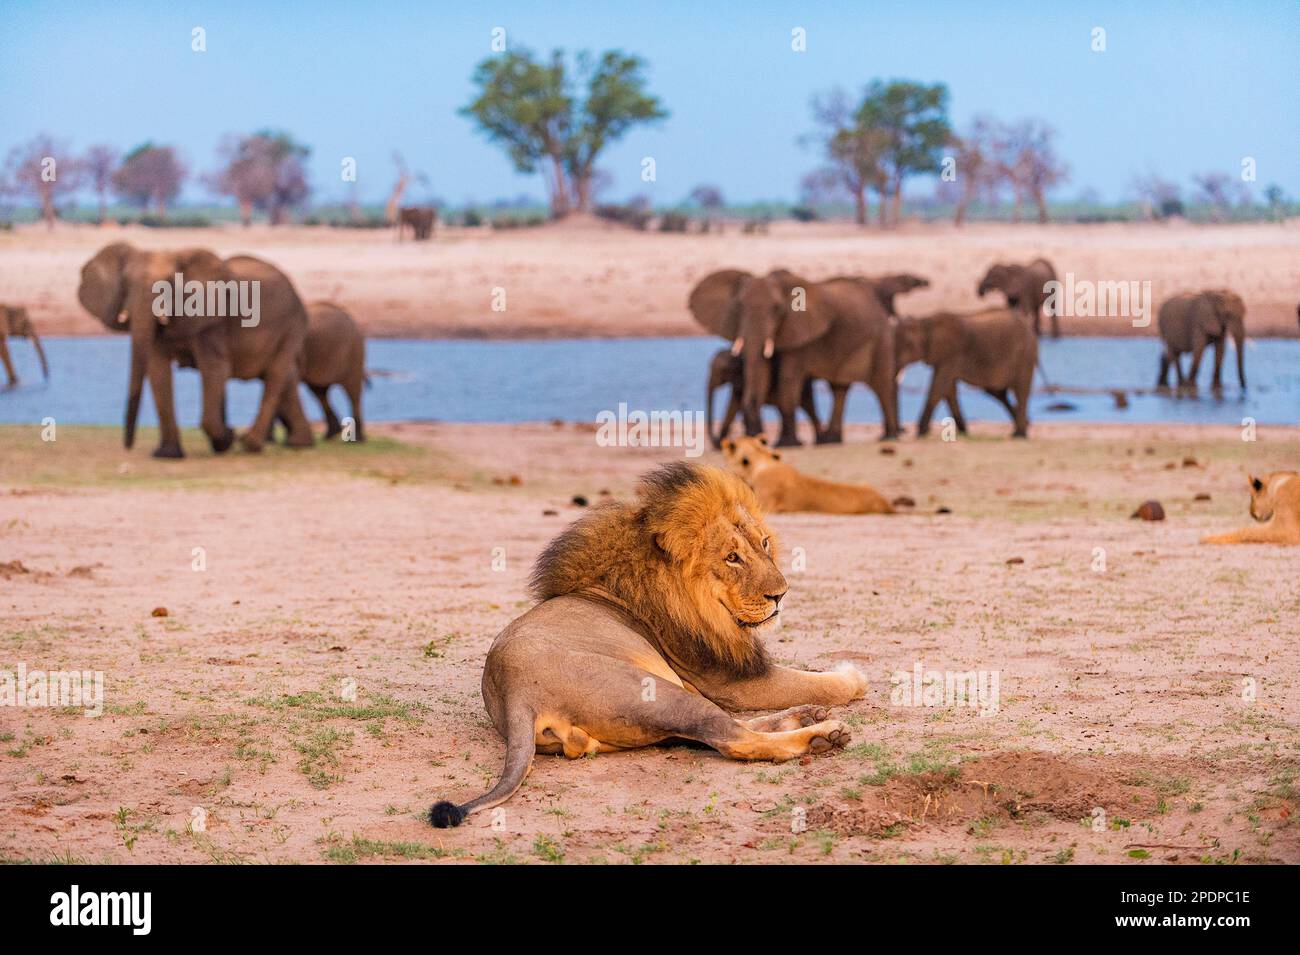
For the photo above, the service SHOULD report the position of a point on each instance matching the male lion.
(782, 488)
(647, 630)
(1275, 502)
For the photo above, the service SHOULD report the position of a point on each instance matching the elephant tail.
(521, 746)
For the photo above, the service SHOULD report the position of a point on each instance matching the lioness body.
(780, 487)
(647, 630)
(1275, 503)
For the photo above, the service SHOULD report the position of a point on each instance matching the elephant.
(1024, 287)
(836, 330)
(1190, 321)
(890, 286)
(993, 349)
(15, 323)
(250, 324)
(335, 355)
(728, 369)
(419, 218)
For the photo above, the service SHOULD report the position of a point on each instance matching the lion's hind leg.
(1259, 534)
(689, 716)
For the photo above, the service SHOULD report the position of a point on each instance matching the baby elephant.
(1193, 320)
(15, 323)
(336, 355)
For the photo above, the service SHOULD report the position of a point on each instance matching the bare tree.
(150, 174)
(854, 154)
(40, 169)
(1033, 164)
(709, 198)
(980, 170)
(262, 171)
(1160, 198)
(1213, 189)
(100, 163)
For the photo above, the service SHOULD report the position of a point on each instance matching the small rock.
(887, 450)
(907, 462)
(1191, 463)
(12, 568)
(579, 500)
(903, 501)
(549, 513)
(1015, 560)
(1149, 511)
(1203, 496)
(943, 510)
(159, 612)
(516, 480)
(1062, 406)
(1121, 399)
(765, 806)
(603, 492)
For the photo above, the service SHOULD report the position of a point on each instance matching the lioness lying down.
(780, 487)
(1275, 502)
(648, 630)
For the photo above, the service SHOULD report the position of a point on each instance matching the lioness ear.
(1256, 483)
(762, 439)
(776, 455)
(729, 444)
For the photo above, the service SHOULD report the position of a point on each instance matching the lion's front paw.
(855, 679)
(830, 735)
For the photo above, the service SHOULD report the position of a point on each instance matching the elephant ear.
(1228, 303)
(712, 302)
(800, 325)
(201, 265)
(102, 291)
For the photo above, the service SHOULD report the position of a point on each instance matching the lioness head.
(747, 456)
(1262, 492)
(693, 560)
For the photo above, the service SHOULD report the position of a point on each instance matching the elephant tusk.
(123, 317)
(768, 347)
(738, 346)
(898, 378)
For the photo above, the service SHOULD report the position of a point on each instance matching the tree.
(40, 169)
(855, 154)
(980, 171)
(1033, 165)
(709, 198)
(913, 119)
(100, 163)
(150, 174)
(528, 107)
(262, 171)
(1212, 189)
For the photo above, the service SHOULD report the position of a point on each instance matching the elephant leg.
(752, 414)
(295, 421)
(354, 389)
(160, 383)
(333, 427)
(1216, 384)
(1198, 351)
(1162, 377)
(886, 389)
(809, 405)
(1001, 395)
(8, 362)
(1020, 413)
(214, 373)
(954, 408)
(941, 383)
(834, 433)
(733, 409)
(280, 385)
(788, 392)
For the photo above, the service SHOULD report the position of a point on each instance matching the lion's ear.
(729, 444)
(659, 543)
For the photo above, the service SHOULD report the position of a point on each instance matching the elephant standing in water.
(239, 318)
(1192, 320)
(336, 355)
(728, 369)
(15, 323)
(836, 330)
(994, 350)
(1024, 288)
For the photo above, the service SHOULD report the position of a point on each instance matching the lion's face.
(747, 456)
(726, 555)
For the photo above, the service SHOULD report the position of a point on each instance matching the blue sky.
(1181, 88)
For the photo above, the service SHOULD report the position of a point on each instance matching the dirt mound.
(1006, 785)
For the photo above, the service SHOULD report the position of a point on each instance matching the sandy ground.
(590, 279)
(1123, 732)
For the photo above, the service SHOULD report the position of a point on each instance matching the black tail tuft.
(446, 815)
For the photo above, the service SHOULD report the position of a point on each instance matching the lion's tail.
(521, 746)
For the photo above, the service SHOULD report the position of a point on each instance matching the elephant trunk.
(709, 388)
(758, 383)
(40, 353)
(134, 388)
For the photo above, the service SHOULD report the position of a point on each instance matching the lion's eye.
(767, 543)
(733, 558)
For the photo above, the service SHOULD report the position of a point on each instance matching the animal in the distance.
(1189, 322)
(1025, 289)
(779, 487)
(835, 330)
(726, 369)
(648, 629)
(995, 350)
(1275, 504)
(15, 323)
(421, 220)
(118, 287)
(335, 355)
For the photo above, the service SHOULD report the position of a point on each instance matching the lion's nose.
(776, 598)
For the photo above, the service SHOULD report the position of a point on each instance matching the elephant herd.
(279, 341)
(786, 331)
